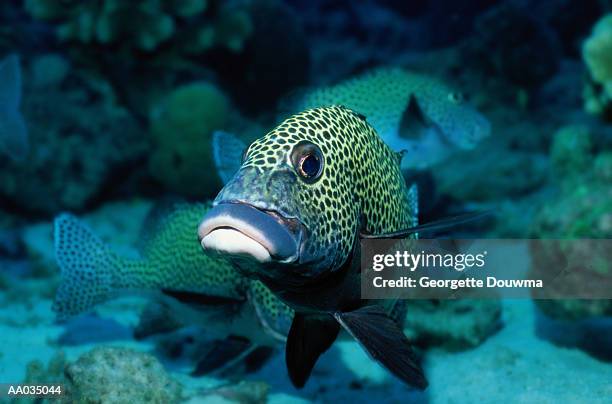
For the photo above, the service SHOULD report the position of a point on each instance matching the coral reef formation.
(170, 39)
(148, 25)
(582, 210)
(79, 138)
(597, 55)
(121, 375)
(570, 152)
(182, 127)
(51, 374)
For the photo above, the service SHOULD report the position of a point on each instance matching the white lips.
(234, 242)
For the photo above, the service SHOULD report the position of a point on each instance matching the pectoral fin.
(385, 341)
(438, 225)
(308, 338)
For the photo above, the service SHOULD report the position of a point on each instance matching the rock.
(121, 375)
(452, 324)
(52, 374)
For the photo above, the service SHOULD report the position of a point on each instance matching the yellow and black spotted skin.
(360, 187)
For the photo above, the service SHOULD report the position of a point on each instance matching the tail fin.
(89, 269)
(13, 131)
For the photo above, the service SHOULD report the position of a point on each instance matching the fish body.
(196, 287)
(410, 111)
(292, 217)
(13, 131)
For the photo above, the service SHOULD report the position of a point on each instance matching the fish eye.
(456, 97)
(307, 160)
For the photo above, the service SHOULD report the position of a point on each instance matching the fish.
(292, 217)
(170, 267)
(410, 111)
(13, 131)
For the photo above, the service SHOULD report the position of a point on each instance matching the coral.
(597, 55)
(121, 375)
(147, 25)
(583, 210)
(53, 373)
(79, 139)
(597, 52)
(452, 324)
(571, 150)
(602, 167)
(181, 128)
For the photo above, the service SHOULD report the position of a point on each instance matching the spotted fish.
(410, 111)
(171, 262)
(292, 218)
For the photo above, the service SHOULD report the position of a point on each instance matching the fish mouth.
(243, 230)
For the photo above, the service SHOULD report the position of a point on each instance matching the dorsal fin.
(413, 121)
(399, 155)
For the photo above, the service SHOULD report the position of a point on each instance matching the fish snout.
(240, 229)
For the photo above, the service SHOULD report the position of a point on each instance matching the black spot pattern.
(361, 181)
(171, 259)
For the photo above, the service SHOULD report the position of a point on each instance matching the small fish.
(411, 112)
(197, 287)
(292, 217)
(13, 131)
